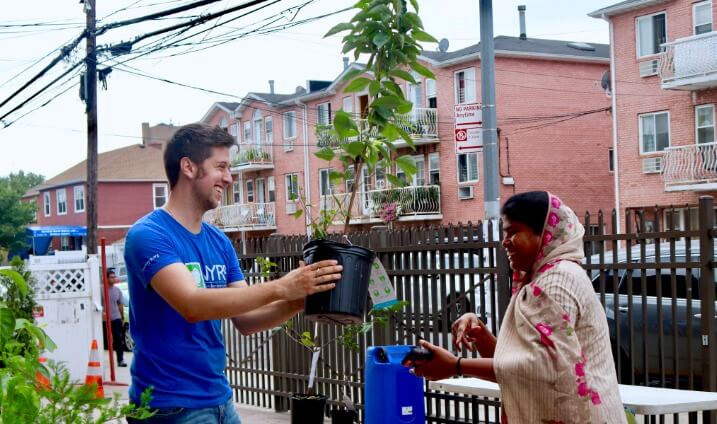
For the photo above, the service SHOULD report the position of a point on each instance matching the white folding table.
(639, 399)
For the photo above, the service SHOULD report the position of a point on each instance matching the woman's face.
(521, 243)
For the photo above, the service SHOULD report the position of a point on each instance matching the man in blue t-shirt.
(184, 277)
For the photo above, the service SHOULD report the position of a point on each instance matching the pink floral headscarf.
(562, 239)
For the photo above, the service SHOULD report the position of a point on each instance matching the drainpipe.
(615, 155)
(307, 171)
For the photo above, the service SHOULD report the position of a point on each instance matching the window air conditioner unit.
(291, 207)
(465, 192)
(649, 68)
(652, 165)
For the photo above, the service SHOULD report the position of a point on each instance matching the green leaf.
(406, 76)
(374, 87)
(298, 213)
(413, 19)
(353, 73)
(325, 154)
(390, 132)
(404, 135)
(390, 102)
(380, 39)
(381, 10)
(17, 279)
(358, 84)
(422, 70)
(343, 26)
(404, 107)
(406, 164)
(344, 125)
(414, 3)
(336, 177)
(393, 87)
(395, 181)
(354, 149)
(423, 36)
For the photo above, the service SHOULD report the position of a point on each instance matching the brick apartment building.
(664, 90)
(554, 134)
(130, 183)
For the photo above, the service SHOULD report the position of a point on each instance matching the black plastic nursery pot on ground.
(307, 409)
(346, 303)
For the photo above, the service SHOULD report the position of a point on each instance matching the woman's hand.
(471, 333)
(442, 364)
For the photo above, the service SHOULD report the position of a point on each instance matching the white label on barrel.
(406, 410)
(379, 286)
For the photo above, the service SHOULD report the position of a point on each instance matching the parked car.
(658, 309)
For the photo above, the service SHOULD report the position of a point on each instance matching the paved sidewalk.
(248, 414)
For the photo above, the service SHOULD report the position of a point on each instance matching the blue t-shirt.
(184, 362)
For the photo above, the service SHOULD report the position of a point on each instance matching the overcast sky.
(52, 138)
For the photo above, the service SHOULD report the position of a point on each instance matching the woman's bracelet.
(459, 373)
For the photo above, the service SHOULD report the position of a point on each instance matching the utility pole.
(491, 189)
(90, 83)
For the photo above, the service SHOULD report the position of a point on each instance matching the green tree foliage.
(15, 215)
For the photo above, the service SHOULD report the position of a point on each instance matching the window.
(64, 243)
(47, 203)
(247, 132)
(292, 187)
(250, 191)
(271, 187)
(323, 113)
(235, 192)
(705, 121)
(465, 86)
(289, 125)
(651, 34)
(702, 17)
(611, 160)
(160, 195)
(79, 195)
(419, 178)
(380, 177)
(269, 131)
(258, 124)
(654, 132)
(61, 201)
(467, 167)
(431, 99)
(434, 172)
(415, 92)
(350, 176)
(325, 188)
(223, 124)
(348, 104)
(233, 130)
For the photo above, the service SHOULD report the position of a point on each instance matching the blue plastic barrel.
(392, 394)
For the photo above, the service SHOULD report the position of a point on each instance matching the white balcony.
(690, 168)
(414, 203)
(243, 217)
(253, 157)
(421, 124)
(690, 63)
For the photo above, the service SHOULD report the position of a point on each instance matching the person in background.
(116, 303)
(184, 277)
(552, 358)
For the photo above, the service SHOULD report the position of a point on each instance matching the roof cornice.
(622, 7)
(524, 55)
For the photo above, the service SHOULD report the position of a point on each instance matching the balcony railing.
(252, 157)
(691, 167)
(690, 63)
(421, 124)
(244, 216)
(410, 203)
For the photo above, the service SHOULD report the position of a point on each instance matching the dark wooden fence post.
(707, 298)
(378, 241)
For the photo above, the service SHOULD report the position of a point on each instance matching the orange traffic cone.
(41, 381)
(94, 370)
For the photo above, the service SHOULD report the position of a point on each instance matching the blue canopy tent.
(40, 237)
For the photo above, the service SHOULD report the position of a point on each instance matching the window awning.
(57, 230)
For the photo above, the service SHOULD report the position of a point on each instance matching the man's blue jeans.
(222, 414)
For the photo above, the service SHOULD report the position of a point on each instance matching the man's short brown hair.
(194, 141)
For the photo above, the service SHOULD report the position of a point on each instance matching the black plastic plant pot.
(346, 303)
(307, 409)
(342, 416)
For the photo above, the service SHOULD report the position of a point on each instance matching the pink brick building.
(664, 90)
(554, 133)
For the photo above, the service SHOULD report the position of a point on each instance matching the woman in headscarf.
(552, 358)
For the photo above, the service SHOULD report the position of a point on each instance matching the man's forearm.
(268, 316)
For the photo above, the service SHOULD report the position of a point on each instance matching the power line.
(104, 28)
